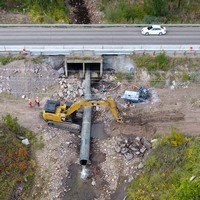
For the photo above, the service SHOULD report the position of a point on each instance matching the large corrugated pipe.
(86, 125)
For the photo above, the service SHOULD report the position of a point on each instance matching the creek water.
(84, 173)
(79, 189)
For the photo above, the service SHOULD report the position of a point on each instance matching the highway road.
(96, 36)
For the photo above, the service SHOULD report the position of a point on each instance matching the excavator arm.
(84, 103)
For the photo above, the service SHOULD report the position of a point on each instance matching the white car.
(154, 30)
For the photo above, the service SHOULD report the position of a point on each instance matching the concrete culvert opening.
(80, 68)
(78, 63)
(75, 67)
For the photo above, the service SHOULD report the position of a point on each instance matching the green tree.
(156, 7)
(2, 3)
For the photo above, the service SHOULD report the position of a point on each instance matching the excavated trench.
(78, 12)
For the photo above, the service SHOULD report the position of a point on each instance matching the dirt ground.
(109, 170)
(13, 17)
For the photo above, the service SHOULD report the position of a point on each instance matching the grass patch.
(124, 76)
(17, 165)
(157, 81)
(152, 63)
(171, 170)
(39, 144)
(8, 59)
(189, 77)
(165, 63)
(38, 59)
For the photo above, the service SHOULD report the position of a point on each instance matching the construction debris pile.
(73, 89)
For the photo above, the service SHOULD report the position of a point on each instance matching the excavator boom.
(84, 103)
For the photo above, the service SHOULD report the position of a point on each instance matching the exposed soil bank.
(79, 12)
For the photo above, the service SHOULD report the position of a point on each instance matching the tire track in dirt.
(145, 124)
(158, 116)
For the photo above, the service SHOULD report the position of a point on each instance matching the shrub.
(189, 77)
(175, 138)
(7, 59)
(159, 62)
(129, 77)
(22, 154)
(162, 61)
(188, 189)
(193, 77)
(37, 59)
(151, 19)
(39, 145)
(143, 61)
(119, 76)
(132, 12)
(152, 161)
(11, 122)
(185, 77)
(16, 165)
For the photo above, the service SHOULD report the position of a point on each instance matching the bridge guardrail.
(98, 49)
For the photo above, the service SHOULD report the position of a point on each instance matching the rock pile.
(132, 147)
(124, 160)
(70, 88)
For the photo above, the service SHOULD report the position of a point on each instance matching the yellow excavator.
(66, 114)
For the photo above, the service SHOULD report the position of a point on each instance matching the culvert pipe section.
(86, 125)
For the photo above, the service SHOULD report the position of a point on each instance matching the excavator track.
(74, 128)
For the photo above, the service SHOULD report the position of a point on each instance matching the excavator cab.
(50, 106)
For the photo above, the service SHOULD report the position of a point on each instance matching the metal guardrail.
(95, 25)
(98, 49)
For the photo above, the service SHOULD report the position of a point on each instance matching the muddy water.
(98, 132)
(120, 193)
(79, 189)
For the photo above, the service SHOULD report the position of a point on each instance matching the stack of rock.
(70, 88)
(132, 147)
(73, 88)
